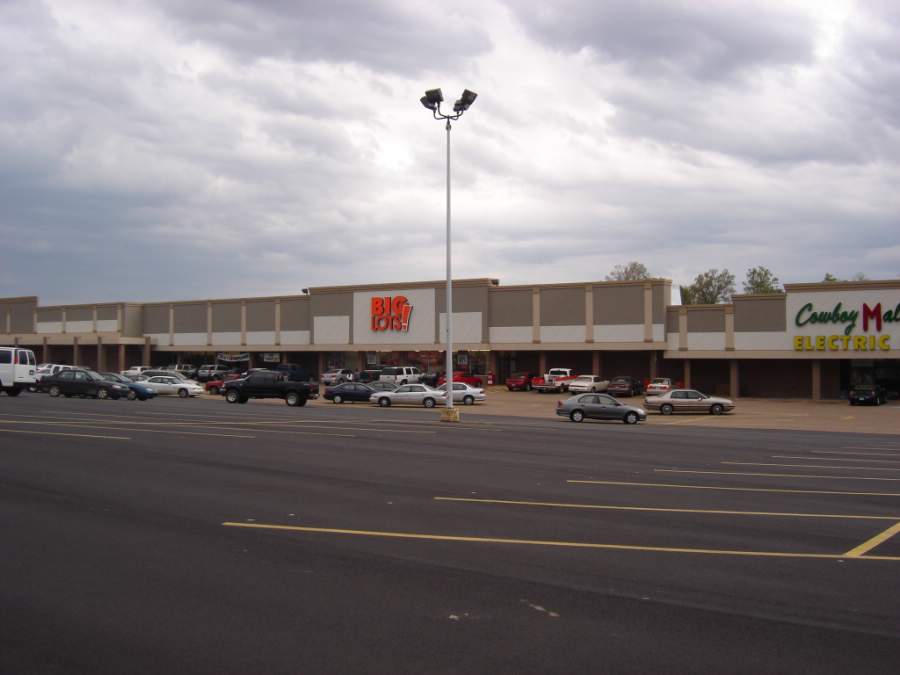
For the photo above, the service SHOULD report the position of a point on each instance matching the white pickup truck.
(555, 379)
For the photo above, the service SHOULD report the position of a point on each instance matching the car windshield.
(115, 377)
(94, 375)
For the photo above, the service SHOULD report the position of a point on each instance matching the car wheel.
(131, 395)
(292, 398)
(232, 396)
(102, 394)
(14, 391)
(384, 402)
(182, 393)
(666, 409)
(631, 418)
(527, 386)
(338, 399)
(576, 416)
(510, 388)
(213, 390)
(715, 409)
(469, 400)
(428, 402)
(54, 391)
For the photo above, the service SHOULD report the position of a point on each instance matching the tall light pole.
(432, 100)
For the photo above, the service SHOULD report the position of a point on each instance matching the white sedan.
(165, 385)
(464, 393)
(409, 394)
(588, 383)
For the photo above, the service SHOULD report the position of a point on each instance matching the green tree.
(859, 276)
(761, 280)
(633, 271)
(830, 278)
(709, 288)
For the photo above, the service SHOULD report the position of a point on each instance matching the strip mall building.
(813, 341)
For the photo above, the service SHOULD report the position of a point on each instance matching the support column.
(733, 378)
(122, 365)
(321, 365)
(493, 366)
(687, 373)
(146, 355)
(817, 380)
(653, 365)
(45, 352)
(648, 312)
(101, 355)
(75, 351)
(595, 363)
(542, 363)
(361, 360)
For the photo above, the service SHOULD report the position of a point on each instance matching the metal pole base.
(449, 414)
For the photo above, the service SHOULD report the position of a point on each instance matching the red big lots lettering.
(391, 313)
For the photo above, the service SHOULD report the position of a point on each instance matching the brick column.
(542, 363)
(101, 355)
(734, 381)
(595, 363)
(45, 352)
(536, 315)
(74, 351)
(122, 365)
(146, 353)
(648, 312)
(687, 373)
(653, 365)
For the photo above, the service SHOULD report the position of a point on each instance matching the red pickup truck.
(556, 379)
(520, 381)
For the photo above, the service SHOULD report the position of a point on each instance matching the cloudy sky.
(209, 148)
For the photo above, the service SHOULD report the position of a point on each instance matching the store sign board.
(394, 317)
(844, 321)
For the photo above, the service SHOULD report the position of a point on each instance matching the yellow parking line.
(873, 542)
(53, 433)
(817, 466)
(550, 543)
(772, 475)
(735, 489)
(606, 507)
(836, 459)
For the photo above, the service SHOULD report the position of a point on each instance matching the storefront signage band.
(809, 315)
(391, 313)
(871, 317)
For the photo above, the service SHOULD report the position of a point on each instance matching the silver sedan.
(465, 394)
(599, 407)
(688, 400)
(409, 394)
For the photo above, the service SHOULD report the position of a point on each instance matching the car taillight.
(559, 404)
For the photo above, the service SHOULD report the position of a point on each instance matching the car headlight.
(117, 386)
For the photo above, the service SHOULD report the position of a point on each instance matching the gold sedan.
(688, 400)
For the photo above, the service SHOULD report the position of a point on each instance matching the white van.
(401, 375)
(17, 369)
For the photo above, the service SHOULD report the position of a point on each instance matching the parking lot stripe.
(845, 452)
(605, 507)
(836, 459)
(735, 489)
(55, 433)
(873, 542)
(773, 475)
(90, 425)
(817, 466)
(549, 543)
(870, 447)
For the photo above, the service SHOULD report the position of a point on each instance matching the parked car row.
(605, 407)
(386, 394)
(565, 379)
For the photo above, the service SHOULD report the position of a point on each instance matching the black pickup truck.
(269, 384)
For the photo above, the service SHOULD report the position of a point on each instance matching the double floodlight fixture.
(434, 97)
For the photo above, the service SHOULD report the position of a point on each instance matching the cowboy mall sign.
(391, 313)
(876, 318)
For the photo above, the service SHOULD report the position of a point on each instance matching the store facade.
(813, 341)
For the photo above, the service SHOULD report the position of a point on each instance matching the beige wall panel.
(618, 304)
(672, 321)
(756, 315)
(156, 319)
(133, 321)
(191, 319)
(107, 313)
(295, 314)
(260, 316)
(706, 320)
(226, 316)
(661, 297)
(79, 314)
(510, 308)
(48, 314)
(563, 307)
(332, 304)
(464, 300)
(22, 316)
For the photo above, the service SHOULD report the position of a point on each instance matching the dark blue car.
(136, 390)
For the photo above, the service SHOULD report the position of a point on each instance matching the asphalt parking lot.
(197, 536)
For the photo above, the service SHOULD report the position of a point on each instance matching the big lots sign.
(858, 321)
(391, 313)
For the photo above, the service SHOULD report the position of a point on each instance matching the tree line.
(714, 286)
